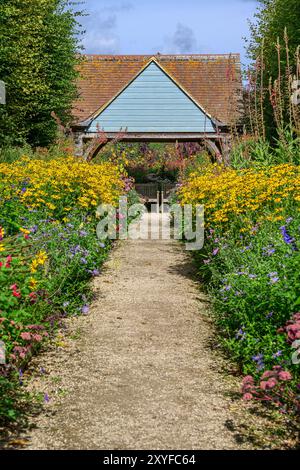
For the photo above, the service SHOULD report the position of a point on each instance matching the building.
(158, 98)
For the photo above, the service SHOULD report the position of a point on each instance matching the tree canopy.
(38, 56)
(275, 40)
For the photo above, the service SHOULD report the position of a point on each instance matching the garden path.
(140, 373)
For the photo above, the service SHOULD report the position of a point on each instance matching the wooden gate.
(157, 193)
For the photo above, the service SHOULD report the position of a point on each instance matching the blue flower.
(287, 238)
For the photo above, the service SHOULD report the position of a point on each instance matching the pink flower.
(267, 374)
(284, 375)
(269, 384)
(37, 338)
(248, 380)
(26, 336)
(247, 396)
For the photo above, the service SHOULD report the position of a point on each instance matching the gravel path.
(140, 374)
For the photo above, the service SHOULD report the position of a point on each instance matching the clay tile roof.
(214, 81)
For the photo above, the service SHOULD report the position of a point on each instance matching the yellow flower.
(25, 231)
(33, 284)
(39, 260)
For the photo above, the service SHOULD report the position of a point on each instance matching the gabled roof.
(152, 60)
(212, 81)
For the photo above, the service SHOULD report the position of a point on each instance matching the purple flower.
(74, 250)
(257, 358)
(46, 398)
(259, 361)
(34, 229)
(206, 261)
(269, 315)
(85, 309)
(216, 251)
(277, 354)
(227, 288)
(268, 251)
(273, 278)
(102, 245)
(287, 238)
(83, 260)
(20, 376)
(83, 233)
(240, 334)
(252, 276)
(289, 220)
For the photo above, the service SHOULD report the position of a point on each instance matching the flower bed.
(48, 253)
(251, 263)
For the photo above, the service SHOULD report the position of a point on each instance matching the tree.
(274, 48)
(38, 56)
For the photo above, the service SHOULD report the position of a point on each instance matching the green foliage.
(38, 55)
(260, 153)
(273, 48)
(255, 285)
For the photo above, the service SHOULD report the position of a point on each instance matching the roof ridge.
(163, 56)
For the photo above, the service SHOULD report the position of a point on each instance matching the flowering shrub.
(250, 261)
(272, 386)
(245, 197)
(55, 188)
(48, 252)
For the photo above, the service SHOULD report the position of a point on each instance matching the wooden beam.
(157, 136)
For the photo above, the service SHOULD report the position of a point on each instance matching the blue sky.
(166, 26)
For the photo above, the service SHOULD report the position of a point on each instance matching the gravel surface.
(137, 372)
